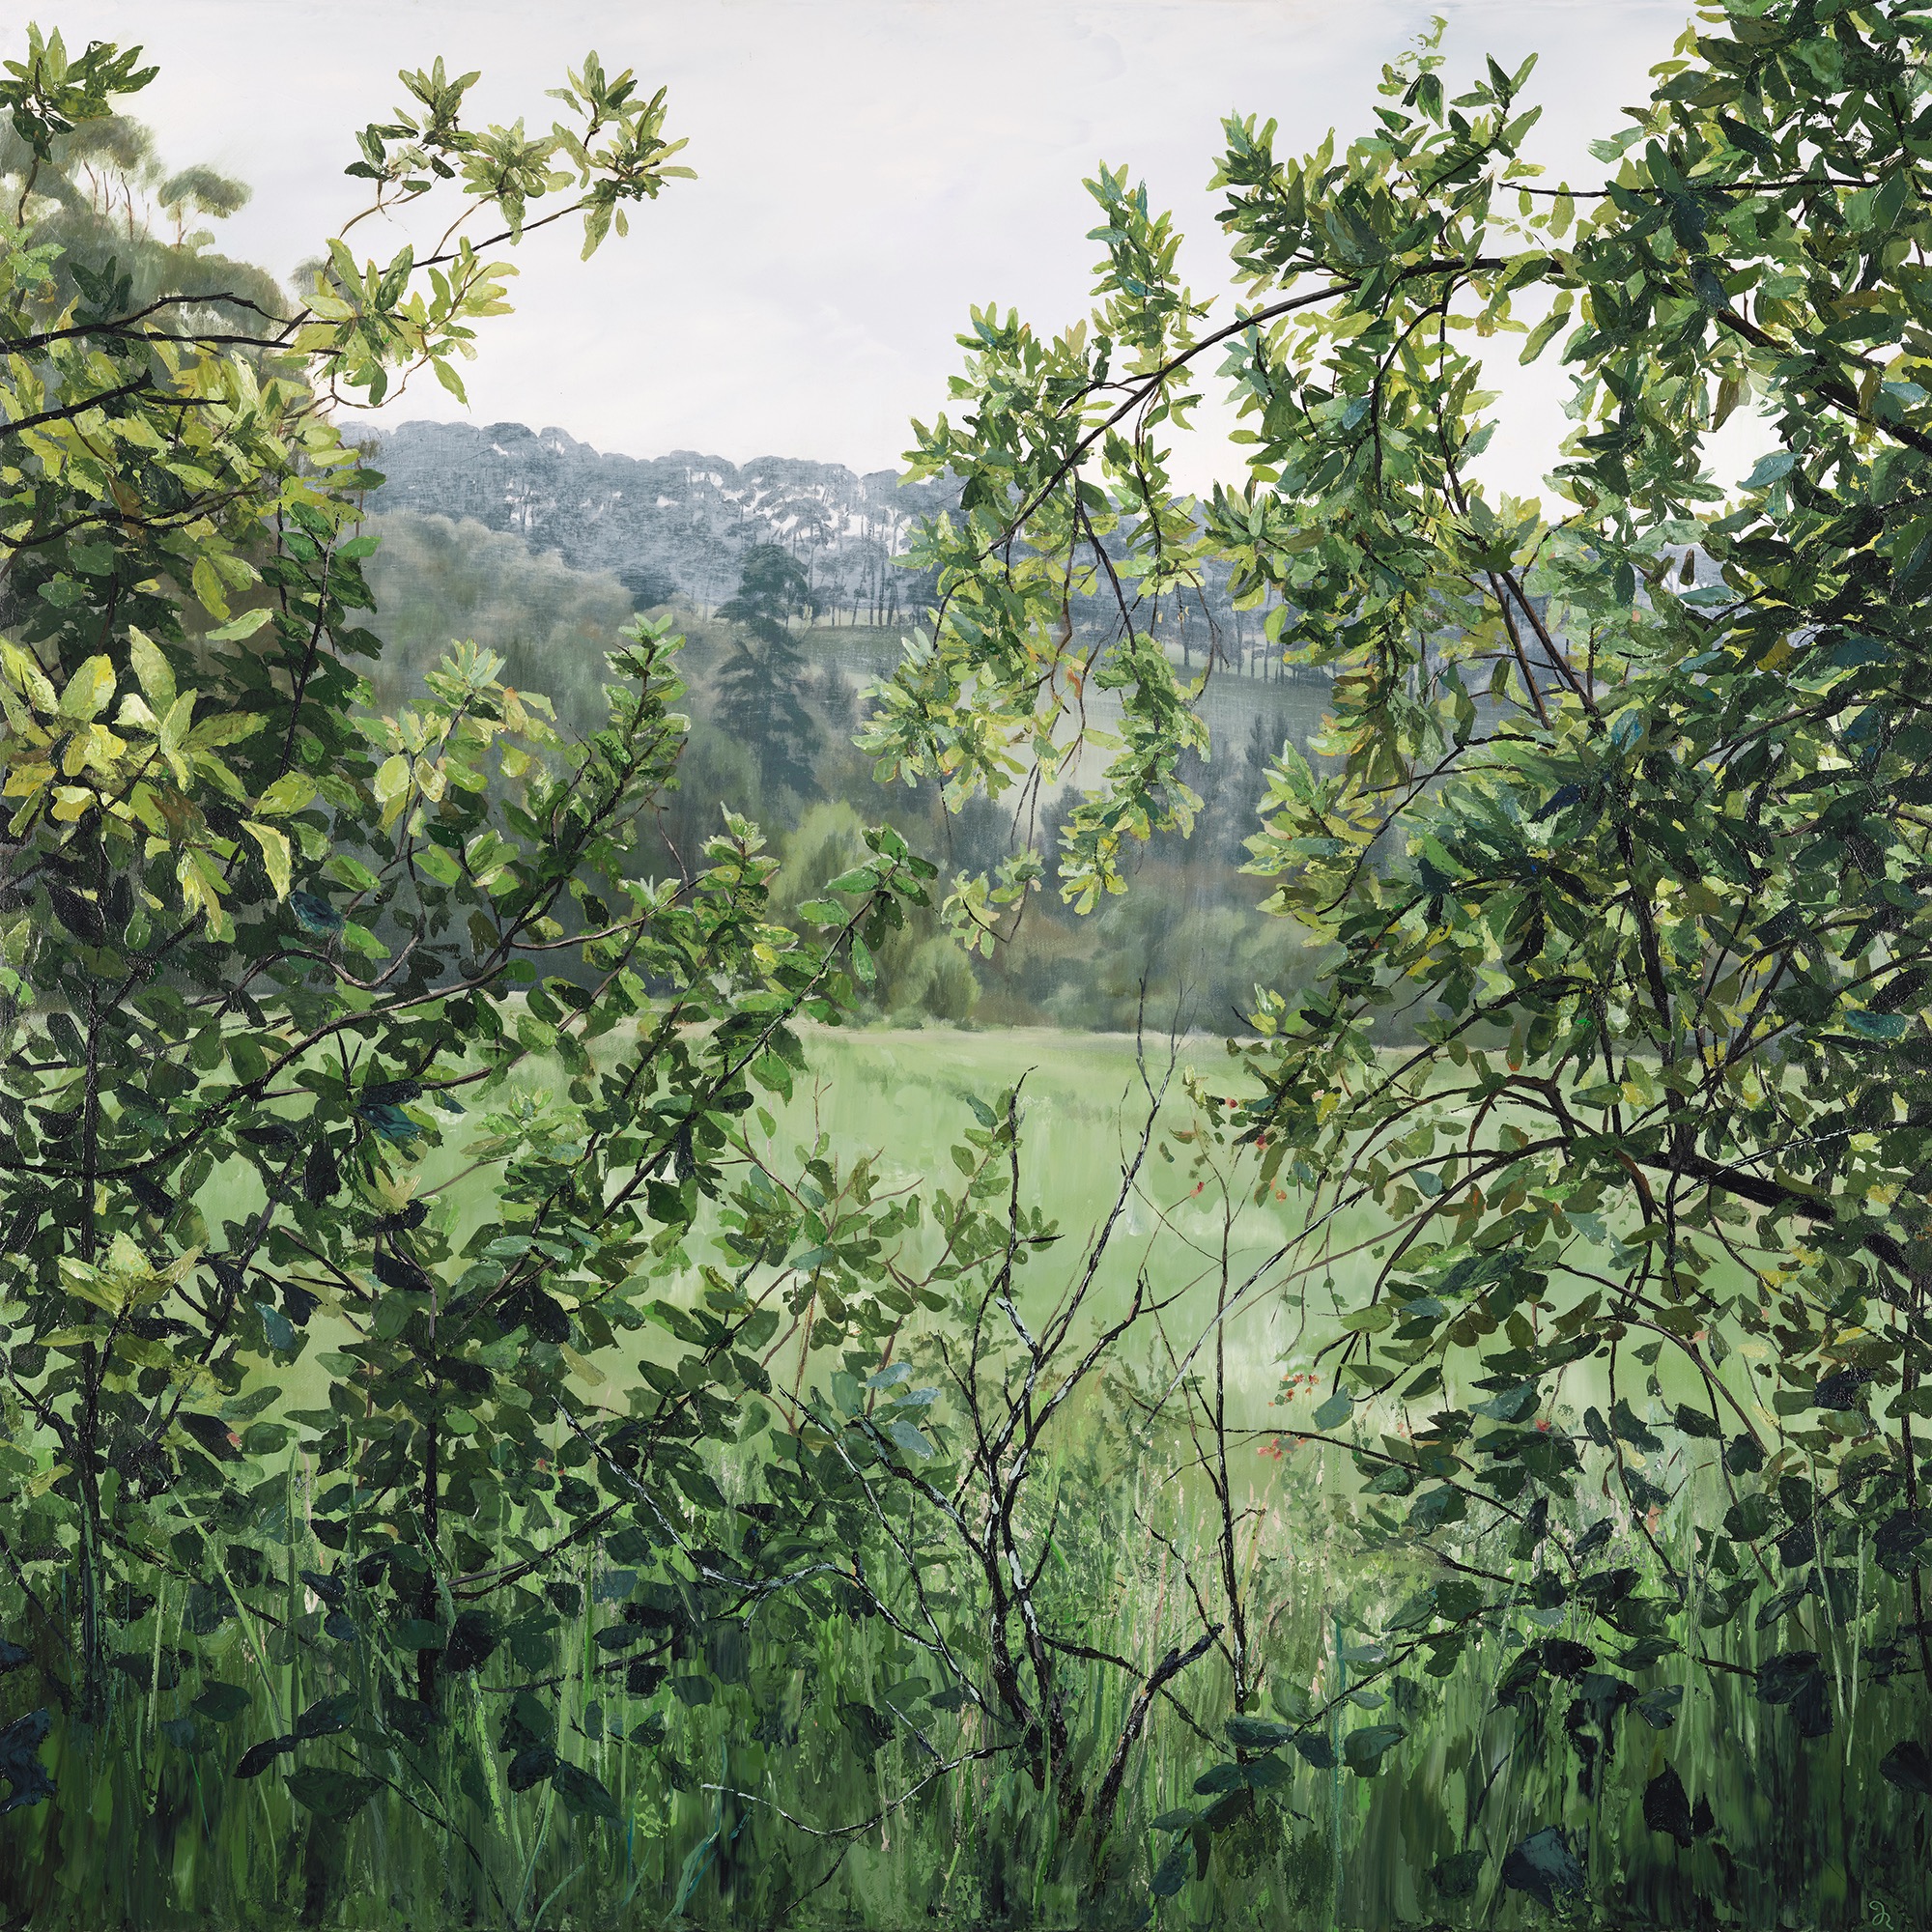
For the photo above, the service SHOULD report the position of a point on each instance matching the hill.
(668, 526)
(677, 528)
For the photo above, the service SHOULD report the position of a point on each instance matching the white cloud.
(867, 171)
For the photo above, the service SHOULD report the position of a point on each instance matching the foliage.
(1625, 822)
(263, 944)
(432, 579)
(921, 1498)
(1320, 1846)
(1189, 942)
(259, 943)
(916, 968)
(989, 699)
(100, 194)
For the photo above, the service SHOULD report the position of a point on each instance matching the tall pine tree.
(760, 683)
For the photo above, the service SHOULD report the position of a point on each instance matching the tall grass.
(741, 1814)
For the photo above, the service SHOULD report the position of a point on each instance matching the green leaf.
(1434, 1508)
(665, 1204)
(276, 857)
(1909, 1766)
(222, 1703)
(1459, 1874)
(441, 866)
(1657, 1707)
(290, 792)
(244, 626)
(1539, 336)
(88, 691)
(1543, 1865)
(584, 1794)
(208, 587)
(1624, 1422)
(331, 1795)
(1876, 1026)
(326, 1715)
(1364, 1749)
(1171, 1874)
(227, 728)
(1336, 1411)
(1246, 1733)
(151, 668)
(909, 1440)
(1417, 1613)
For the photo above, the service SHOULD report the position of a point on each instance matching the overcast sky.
(866, 169)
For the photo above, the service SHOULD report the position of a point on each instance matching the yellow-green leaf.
(276, 855)
(289, 793)
(244, 626)
(200, 885)
(208, 587)
(227, 728)
(26, 677)
(151, 668)
(88, 690)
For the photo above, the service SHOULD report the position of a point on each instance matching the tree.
(102, 195)
(261, 949)
(1626, 835)
(759, 684)
(649, 586)
(549, 624)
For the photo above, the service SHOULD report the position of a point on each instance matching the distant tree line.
(775, 702)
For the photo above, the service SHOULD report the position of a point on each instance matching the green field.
(902, 1097)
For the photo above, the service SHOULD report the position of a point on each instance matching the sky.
(867, 171)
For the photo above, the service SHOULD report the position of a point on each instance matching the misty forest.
(994, 1194)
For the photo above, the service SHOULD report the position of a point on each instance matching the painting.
(965, 965)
